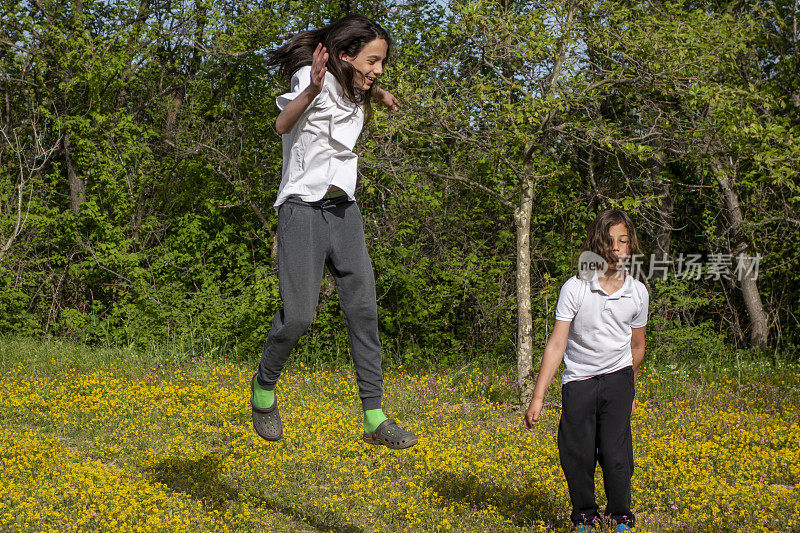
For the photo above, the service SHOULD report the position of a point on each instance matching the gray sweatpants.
(310, 236)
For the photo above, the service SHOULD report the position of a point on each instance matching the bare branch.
(31, 158)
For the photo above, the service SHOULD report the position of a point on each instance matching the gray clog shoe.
(266, 422)
(391, 435)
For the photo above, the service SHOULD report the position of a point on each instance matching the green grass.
(117, 439)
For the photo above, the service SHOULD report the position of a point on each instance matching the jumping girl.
(599, 331)
(334, 73)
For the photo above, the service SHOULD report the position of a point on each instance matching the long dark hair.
(598, 239)
(349, 35)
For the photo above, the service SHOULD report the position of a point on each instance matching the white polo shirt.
(599, 340)
(318, 152)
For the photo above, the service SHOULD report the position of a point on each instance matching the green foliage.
(165, 116)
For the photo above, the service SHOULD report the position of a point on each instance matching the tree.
(23, 155)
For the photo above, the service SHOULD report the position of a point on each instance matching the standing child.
(599, 331)
(334, 73)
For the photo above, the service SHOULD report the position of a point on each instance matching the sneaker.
(585, 528)
(622, 527)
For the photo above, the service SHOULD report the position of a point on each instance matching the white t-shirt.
(599, 340)
(318, 152)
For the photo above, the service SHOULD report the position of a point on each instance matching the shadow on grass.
(315, 521)
(523, 506)
(201, 480)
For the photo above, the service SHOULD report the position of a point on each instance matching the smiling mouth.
(370, 79)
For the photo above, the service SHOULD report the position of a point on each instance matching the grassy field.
(119, 441)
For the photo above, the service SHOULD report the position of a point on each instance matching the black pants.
(595, 427)
(311, 236)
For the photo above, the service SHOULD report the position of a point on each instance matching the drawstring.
(328, 204)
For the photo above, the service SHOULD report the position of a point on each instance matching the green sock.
(372, 419)
(263, 398)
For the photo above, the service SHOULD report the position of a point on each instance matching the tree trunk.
(77, 187)
(665, 211)
(138, 214)
(522, 221)
(18, 223)
(596, 196)
(273, 236)
(759, 321)
(172, 115)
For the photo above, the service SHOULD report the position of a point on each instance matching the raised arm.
(291, 113)
(551, 359)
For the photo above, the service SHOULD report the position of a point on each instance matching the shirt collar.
(625, 291)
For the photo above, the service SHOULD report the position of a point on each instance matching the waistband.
(320, 204)
(621, 371)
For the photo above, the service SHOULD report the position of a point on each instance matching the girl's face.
(368, 63)
(620, 243)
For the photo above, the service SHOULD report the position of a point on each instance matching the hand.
(387, 99)
(318, 69)
(533, 413)
(633, 406)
